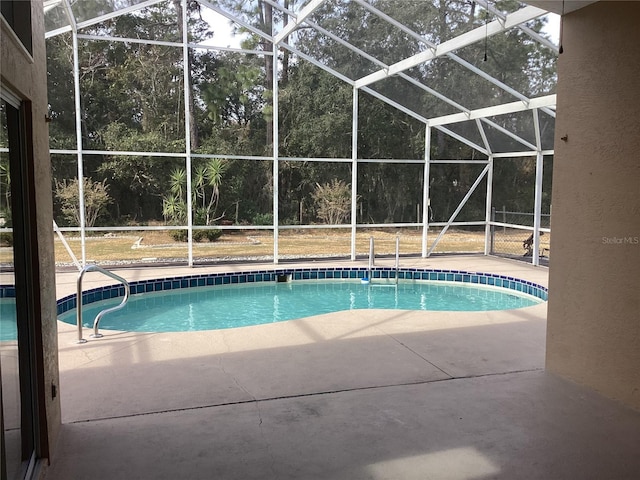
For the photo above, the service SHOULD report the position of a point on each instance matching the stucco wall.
(593, 332)
(27, 77)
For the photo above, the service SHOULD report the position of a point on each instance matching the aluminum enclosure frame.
(481, 116)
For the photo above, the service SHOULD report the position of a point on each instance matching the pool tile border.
(321, 273)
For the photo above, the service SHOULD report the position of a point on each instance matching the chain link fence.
(517, 242)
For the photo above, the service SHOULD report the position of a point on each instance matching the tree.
(133, 100)
(96, 199)
(205, 195)
(262, 15)
(206, 182)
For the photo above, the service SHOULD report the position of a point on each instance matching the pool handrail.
(372, 257)
(96, 322)
(397, 257)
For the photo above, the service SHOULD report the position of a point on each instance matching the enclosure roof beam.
(394, 22)
(536, 125)
(237, 20)
(483, 135)
(50, 4)
(103, 18)
(416, 82)
(549, 111)
(508, 133)
(143, 41)
(380, 63)
(468, 38)
(394, 104)
(505, 108)
(318, 64)
(533, 34)
(450, 55)
(462, 139)
(302, 15)
(280, 8)
(70, 16)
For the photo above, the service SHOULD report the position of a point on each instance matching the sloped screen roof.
(411, 54)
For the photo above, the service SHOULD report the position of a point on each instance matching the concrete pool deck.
(349, 395)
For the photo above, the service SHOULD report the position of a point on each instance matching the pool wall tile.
(172, 283)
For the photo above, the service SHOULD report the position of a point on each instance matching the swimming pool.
(8, 327)
(224, 300)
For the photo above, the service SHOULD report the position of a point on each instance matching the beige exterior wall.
(27, 77)
(593, 332)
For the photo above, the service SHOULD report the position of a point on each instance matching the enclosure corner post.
(488, 229)
(276, 154)
(354, 172)
(426, 201)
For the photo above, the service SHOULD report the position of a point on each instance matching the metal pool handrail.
(397, 256)
(372, 257)
(127, 292)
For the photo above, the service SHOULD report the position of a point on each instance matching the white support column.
(76, 93)
(354, 172)
(425, 190)
(276, 154)
(537, 210)
(487, 213)
(187, 127)
(537, 206)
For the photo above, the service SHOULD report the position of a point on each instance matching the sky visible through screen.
(224, 36)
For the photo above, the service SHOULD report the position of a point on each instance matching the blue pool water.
(228, 306)
(8, 329)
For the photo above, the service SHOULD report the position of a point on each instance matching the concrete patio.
(350, 395)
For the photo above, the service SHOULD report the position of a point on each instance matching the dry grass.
(159, 246)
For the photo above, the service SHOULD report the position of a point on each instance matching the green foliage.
(6, 238)
(198, 235)
(96, 199)
(316, 113)
(231, 95)
(205, 194)
(133, 99)
(262, 219)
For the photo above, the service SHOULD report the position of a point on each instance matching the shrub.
(198, 235)
(96, 199)
(262, 219)
(333, 201)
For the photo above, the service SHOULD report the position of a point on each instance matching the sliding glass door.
(17, 432)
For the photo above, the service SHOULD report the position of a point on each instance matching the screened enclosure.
(198, 131)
